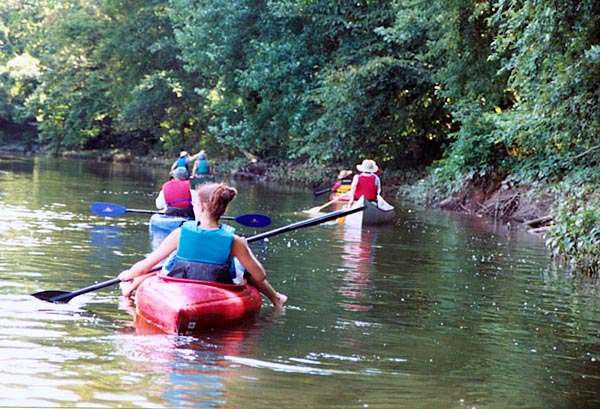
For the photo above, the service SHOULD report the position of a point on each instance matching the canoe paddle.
(321, 192)
(63, 297)
(114, 210)
(317, 209)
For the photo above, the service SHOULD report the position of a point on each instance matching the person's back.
(367, 183)
(202, 165)
(366, 186)
(344, 180)
(177, 196)
(210, 264)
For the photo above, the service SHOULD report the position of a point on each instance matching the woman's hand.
(125, 276)
(279, 300)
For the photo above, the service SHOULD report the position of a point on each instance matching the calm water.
(437, 311)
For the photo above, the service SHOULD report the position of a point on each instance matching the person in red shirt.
(176, 195)
(366, 183)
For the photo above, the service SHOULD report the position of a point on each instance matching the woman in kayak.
(204, 249)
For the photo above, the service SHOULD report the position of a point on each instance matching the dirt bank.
(512, 206)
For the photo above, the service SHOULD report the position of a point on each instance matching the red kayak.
(183, 306)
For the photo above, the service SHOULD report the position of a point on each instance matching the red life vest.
(366, 187)
(177, 193)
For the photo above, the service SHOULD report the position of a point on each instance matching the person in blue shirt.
(184, 161)
(204, 247)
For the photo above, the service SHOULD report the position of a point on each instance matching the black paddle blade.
(57, 297)
(64, 296)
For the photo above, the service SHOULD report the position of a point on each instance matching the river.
(440, 310)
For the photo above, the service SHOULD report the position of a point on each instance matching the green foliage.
(19, 68)
(575, 237)
(504, 91)
(551, 53)
(371, 98)
(306, 80)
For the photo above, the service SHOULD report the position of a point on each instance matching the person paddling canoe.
(367, 183)
(204, 249)
(343, 183)
(202, 166)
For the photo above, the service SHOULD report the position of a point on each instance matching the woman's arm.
(378, 183)
(258, 275)
(160, 200)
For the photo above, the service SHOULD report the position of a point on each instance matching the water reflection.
(358, 264)
(200, 369)
(156, 237)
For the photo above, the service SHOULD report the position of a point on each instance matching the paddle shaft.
(320, 192)
(64, 297)
(163, 213)
(317, 209)
(85, 290)
(114, 210)
(305, 223)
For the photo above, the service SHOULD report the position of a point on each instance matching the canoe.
(200, 179)
(373, 215)
(334, 195)
(162, 223)
(183, 306)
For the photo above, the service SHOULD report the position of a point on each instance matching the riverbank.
(511, 206)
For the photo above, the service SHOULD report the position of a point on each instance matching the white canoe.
(382, 213)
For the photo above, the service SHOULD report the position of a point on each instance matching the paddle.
(317, 209)
(306, 223)
(64, 297)
(320, 192)
(113, 210)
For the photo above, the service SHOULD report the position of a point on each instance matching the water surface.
(439, 310)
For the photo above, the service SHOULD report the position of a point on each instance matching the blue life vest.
(182, 162)
(203, 254)
(203, 167)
